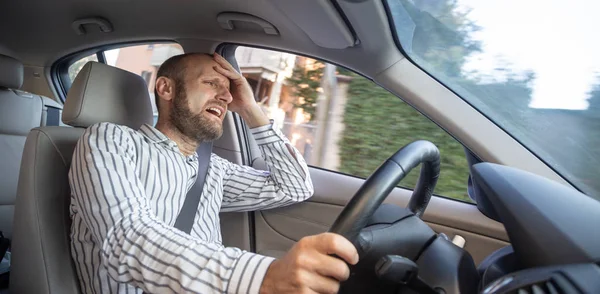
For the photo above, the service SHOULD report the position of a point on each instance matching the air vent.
(557, 284)
(546, 288)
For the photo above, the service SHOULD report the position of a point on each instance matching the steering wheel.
(376, 188)
(394, 231)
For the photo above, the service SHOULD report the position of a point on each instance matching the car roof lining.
(49, 36)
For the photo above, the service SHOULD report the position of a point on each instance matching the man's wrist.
(249, 265)
(254, 116)
(267, 287)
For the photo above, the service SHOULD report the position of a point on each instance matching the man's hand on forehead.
(226, 69)
(239, 87)
(243, 97)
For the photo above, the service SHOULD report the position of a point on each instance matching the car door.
(345, 125)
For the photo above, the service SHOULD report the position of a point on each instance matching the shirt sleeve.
(136, 247)
(286, 181)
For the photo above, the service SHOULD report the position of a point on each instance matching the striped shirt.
(128, 187)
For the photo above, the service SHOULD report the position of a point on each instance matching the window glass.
(343, 122)
(530, 66)
(143, 60)
(78, 65)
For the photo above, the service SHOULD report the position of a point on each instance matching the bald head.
(175, 68)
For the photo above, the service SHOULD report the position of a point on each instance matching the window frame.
(470, 156)
(59, 71)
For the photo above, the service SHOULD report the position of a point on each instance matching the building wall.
(273, 60)
(146, 58)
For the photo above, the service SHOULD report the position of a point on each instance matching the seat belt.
(52, 116)
(185, 219)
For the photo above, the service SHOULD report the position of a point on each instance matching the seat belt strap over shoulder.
(185, 219)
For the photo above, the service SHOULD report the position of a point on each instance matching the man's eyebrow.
(221, 79)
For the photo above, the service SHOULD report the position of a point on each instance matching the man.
(128, 187)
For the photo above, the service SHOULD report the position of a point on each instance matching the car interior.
(524, 228)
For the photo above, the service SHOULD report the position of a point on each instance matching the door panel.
(278, 229)
(235, 228)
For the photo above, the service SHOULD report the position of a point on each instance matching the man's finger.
(333, 267)
(321, 284)
(331, 243)
(228, 74)
(223, 62)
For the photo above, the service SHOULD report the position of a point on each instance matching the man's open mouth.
(216, 111)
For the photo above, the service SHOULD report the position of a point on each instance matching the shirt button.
(270, 133)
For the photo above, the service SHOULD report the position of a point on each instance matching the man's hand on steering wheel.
(309, 266)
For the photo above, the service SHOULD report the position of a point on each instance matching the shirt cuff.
(248, 273)
(267, 134)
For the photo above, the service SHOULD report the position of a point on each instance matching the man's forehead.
(202, 65)
(199, 63)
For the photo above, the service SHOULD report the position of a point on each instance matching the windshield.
(533, 67)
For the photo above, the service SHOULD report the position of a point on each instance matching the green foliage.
(304, 83)
(594, 100)
(444, 41)
(437, 35)
(378, 123)
(582, 156)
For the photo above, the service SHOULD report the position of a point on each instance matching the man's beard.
(198, 127)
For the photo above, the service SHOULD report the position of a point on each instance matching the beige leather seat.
(19, 112)
(41, 259)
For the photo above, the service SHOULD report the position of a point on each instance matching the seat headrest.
(102, 93)
(19, 112)
(11, 72)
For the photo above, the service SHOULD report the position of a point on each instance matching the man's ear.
(165, 88)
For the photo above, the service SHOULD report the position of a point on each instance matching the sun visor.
(324, 26)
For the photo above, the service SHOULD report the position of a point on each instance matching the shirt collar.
(153, 134)
(157, 137)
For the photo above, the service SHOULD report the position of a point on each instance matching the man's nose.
(225, 96)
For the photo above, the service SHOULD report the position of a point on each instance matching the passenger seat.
(19, 112)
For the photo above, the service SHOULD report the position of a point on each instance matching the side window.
(78, 65)
(143, 60)
(343, 122)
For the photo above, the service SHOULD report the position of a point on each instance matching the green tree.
(304, 82)
(437, 35)
(509, 98)
(444, 40)
(593, 109)
(589, 156)
(378, 123)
